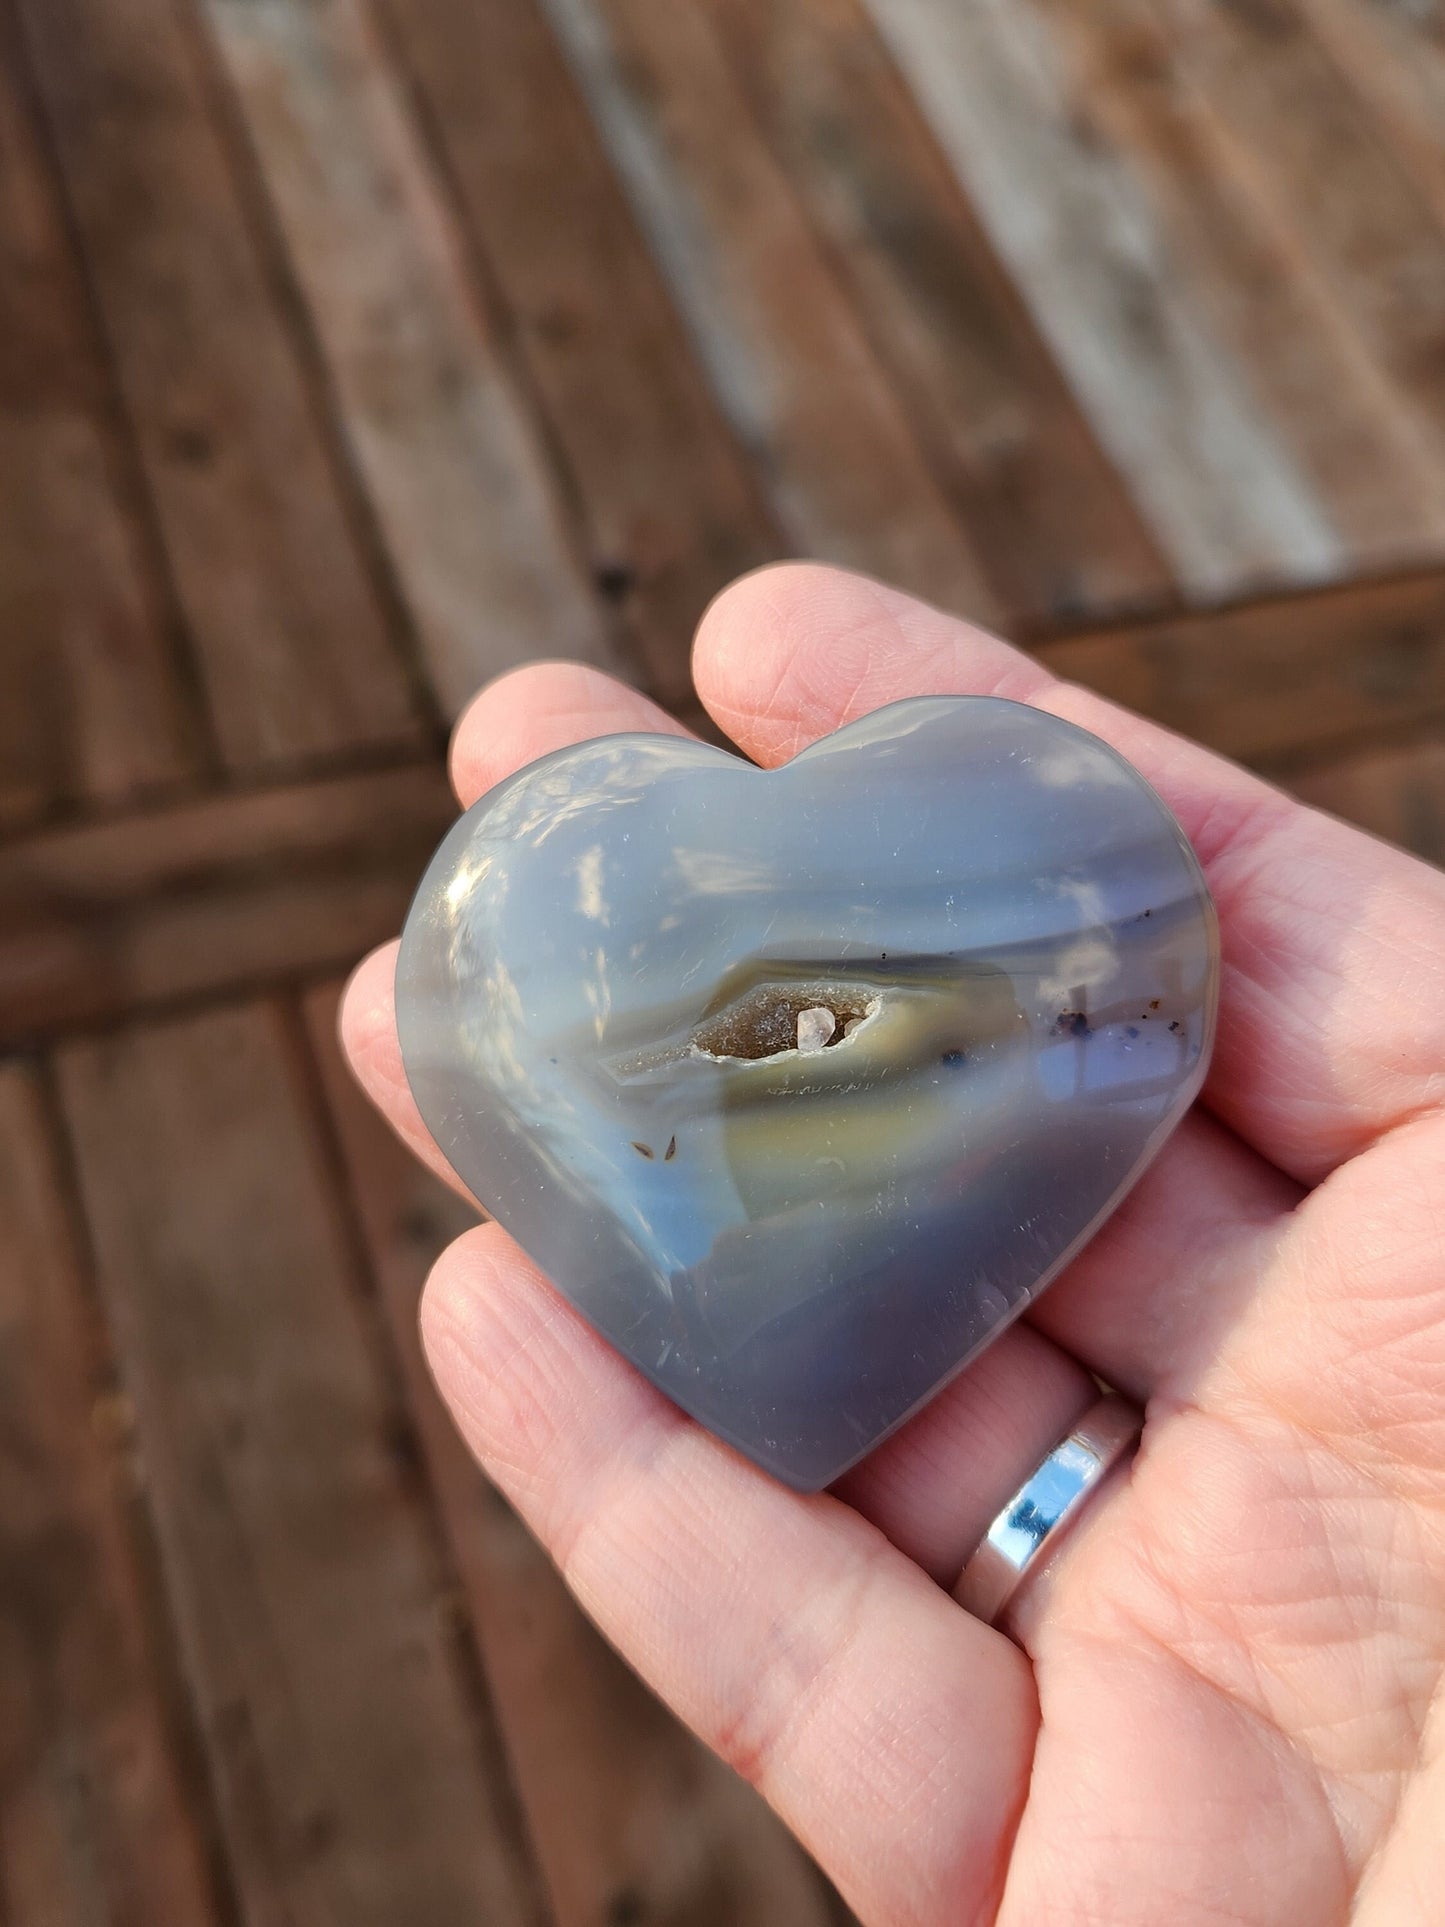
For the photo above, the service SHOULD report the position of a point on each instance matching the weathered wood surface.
(1284, 682)
(1242, 251)
(1397, 793)
(669, 507)
(1392, 54)
(352, 350)
(279, 599)
(100, 1818)
(1053, 525)
(1225, 495)
(1314, 156)
(222, 893)
(93, 703)
(355, 1768)
(770, 318)
(453, 465)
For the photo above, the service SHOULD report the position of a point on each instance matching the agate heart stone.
(801, 1083)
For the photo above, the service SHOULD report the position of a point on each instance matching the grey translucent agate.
(800, 1248)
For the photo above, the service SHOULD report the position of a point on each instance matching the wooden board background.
(352, 351)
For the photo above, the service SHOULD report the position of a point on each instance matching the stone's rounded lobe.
(612, 997)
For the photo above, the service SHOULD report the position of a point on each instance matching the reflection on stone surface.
(801, 1083)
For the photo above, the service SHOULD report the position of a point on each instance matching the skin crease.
(1226, 1703)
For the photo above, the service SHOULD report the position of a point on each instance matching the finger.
(892, 1732)
(367, 1026)
(1332, 1025)
(539, 708)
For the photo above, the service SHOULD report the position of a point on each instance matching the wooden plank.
(454, 468)
(670, 508)
(1178, 415)
(227, 892)
(96, 1821)
(1050, 518)
(1315, 156)
(1392, 55)
(633, 1819)
(1245, 262)
(280, 606)
(1397, 793)
(1276, 682)
(91, 707)
(354, 1770)
(783, 347)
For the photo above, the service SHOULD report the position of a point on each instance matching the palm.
(1225, 1713)
(1236, 1669)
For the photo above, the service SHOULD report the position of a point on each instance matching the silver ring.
(1045, 1505)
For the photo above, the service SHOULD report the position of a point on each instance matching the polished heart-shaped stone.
(801, 1083)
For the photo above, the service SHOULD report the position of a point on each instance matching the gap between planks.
(94, 705)
(669, 505)
(1070, 127)
(103, 919)
(280, 606)
(459, 481)
(772, 324)
(1051, 520)
(1279, 682)
(311, 1604)
(103, 1799)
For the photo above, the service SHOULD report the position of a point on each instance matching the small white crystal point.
(815, 1026)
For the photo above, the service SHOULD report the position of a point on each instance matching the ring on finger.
(1046, 1506)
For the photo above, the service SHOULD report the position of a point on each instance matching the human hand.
(1225, 1703)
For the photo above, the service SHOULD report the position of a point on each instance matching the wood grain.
(1243, 259)
(97, 1820)
(1391, 54)
(668, 507)
(1396, 792)
(92, 708)
(631, 1816)
(1226, 498)
(1314, 154)
(1050, 519)
(458, 477)
(1278, 682)
(226, 892)
(280, 607)
(354, 1769)
(769, 317)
